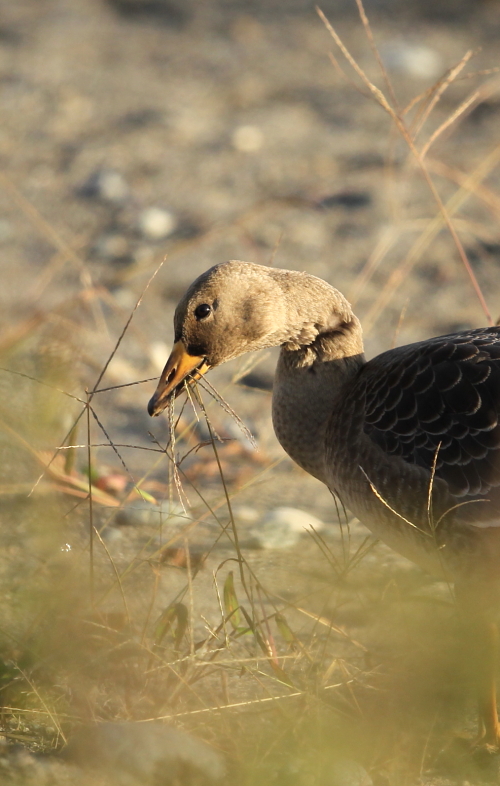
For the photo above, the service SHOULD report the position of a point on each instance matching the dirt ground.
(136, 131)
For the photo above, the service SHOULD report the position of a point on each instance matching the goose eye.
(202, 311)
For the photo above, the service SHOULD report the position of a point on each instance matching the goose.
(408, 441)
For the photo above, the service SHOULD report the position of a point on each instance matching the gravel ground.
(135, 129)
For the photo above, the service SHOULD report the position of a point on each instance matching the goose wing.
(439, 401)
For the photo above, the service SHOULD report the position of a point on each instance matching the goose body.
(409, 441)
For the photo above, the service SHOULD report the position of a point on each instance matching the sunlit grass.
(357, 662)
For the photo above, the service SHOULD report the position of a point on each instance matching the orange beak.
(179, 366)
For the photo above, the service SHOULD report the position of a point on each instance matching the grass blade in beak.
(179, 365)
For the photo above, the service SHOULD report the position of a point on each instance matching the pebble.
(247, 139)
(413, 59)
(350, 200)
(246, 514)
(121, 371)
(112, 246)
(111, 535)
(164, 12)
(140, 118)
(145, 753)
(125, 298)
(143, 513)
(158, 354)
(347, 772)
(106, 184)
(19, 766)
(154, 223)
(282, 528)
(233, 430)
(257, 379)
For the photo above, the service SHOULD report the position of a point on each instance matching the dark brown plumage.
(410, 441)
(441, 398)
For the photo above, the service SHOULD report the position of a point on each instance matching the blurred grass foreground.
(180, 607)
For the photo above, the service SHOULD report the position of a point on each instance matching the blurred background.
(136, 131)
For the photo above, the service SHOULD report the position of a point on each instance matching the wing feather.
(439, 401)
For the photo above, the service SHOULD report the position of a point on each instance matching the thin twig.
(117, 575)
(241, 561)
(37, 693)
(383, 102)
(441, 88)
(374, 48)
(212, 391)
(125, 328)
(91, 508)
(449, 121)
(117, 452)
(384, 502)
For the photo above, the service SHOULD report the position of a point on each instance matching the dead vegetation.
(180, 622)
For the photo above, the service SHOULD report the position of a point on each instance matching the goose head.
(238, 307)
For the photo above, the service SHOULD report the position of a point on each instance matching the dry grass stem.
(188, 618)
(405, 134)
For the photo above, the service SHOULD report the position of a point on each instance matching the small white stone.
(417, 60)
(136, 753)
(156, 223)
(246, 514)
(111, 186)
(145, 513)
(121, 371)
(158, 354)
(248, 139)
(112, 535)
(283, 527)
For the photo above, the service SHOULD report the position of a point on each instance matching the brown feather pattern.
(439, 401)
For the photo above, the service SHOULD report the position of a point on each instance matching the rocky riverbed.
(141, 132)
